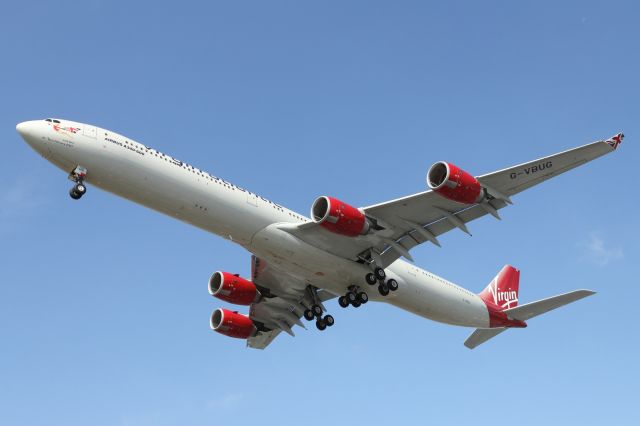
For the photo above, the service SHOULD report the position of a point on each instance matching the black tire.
(73, 194)
(370, 278)
(392, 284)
(329, 321)
(317, 310)
(356, 304)
(343, 302)
(380, 274)
(308, 315)
(80, 188)
(363, 297)
(320, 324)
(351, 297)
(383, 289)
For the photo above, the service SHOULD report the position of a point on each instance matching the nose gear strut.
(79, 189)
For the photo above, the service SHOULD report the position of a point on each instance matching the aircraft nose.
(23, 128)
(27, 129)
(30, 132)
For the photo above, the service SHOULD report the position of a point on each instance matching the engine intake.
(232, 324)
(338, 217)
(232, 288)
(453, 183)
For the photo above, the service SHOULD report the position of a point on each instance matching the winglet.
(615, 141)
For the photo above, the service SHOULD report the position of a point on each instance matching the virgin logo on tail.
(504, 299)
(502, 291)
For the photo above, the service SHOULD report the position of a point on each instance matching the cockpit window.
(56, 121)
(48, 119)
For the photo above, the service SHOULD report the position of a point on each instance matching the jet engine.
(232, 324)
(232, 288)
(453, 183)
(339, 217)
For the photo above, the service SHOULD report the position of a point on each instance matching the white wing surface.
(406, 222)
(283, 303)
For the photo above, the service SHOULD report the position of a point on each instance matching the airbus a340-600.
(299, 263)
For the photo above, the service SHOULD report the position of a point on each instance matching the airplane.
(298, 264)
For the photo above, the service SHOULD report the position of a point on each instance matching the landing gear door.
(89, 131)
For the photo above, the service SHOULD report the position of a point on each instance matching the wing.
(406, 222)
(285, 298)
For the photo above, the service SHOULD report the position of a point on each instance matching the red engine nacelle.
(232, 288)
(232, 324)
(339, 217)
(454, 183)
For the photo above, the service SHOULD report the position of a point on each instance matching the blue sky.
(103, 304)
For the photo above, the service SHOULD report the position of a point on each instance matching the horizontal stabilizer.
(481, 335)
(525, 312)
(533, 309)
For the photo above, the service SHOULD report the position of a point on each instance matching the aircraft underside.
(299, 264)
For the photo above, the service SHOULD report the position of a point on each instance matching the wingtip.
(615, 141)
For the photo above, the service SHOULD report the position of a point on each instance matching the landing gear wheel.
(351, 297)
(356, 304)
(317, 310)
(321, 324)
(392, 284)
(343, 302)
(328, 320)
(80, 189)
(379, 273)
(73, 194)
(383, 289)
(363, 297)
(370, 278)
(308, 315)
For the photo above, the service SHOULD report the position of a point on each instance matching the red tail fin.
(503, 290)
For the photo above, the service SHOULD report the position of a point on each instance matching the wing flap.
(262, 339)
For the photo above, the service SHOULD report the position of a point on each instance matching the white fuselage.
(131, 170)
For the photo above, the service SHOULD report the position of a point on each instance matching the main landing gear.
(379, 276)
(79, 189)
(354, 297)
(316, 311)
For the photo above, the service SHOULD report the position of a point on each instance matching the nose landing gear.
(79, 189)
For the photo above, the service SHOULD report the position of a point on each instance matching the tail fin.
(502, 291)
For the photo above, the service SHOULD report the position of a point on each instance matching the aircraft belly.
(311, 264)
(431, 297)
(173, 191)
